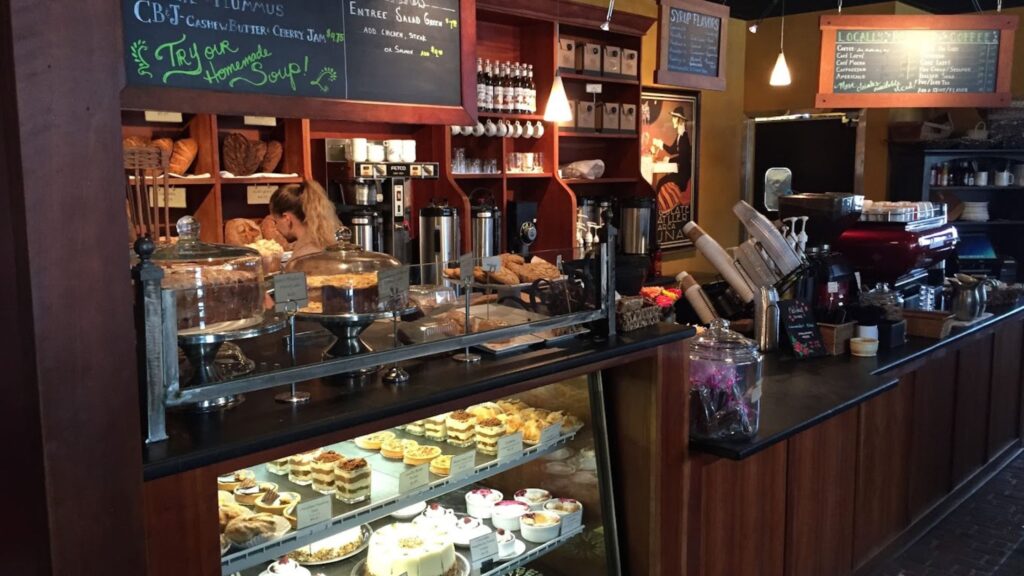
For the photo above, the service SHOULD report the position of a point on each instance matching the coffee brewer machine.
(439, 241)
(486, 224)
(373, 197)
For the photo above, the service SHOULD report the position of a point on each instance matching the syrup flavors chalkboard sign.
(800, 329)
(691, 44)
(914, 61)
(400, 51)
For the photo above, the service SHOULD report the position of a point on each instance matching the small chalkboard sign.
(801, 330)
(396, 51)
(915, 61)
(691, 46)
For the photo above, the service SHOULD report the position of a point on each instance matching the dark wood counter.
(857, 457)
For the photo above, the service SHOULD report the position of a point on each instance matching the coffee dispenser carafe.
(636, 229)
(366, 226)
(439, 241)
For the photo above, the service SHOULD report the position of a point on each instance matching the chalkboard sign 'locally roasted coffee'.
(401, 51)
(911, 61)
(691, 46)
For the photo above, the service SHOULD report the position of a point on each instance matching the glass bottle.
(488, 87)
(531, 91)
(481, 82)
(518, 99)
(508, 91)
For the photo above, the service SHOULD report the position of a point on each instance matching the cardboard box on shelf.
(567, 54)
(588, 59)
(585, 116)
(630, 63)
(612, 61)
(608, 117)
(627, 118)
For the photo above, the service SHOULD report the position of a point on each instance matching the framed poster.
(692, 37)
(669, 128)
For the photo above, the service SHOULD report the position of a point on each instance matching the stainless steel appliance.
(486, 227)
(636, 225)
(366, 224)
(522, 226)
(439, 241)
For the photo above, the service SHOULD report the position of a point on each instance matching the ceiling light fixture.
(608, 19)
(753, 27)
(780, 74)
(557, 108)
(757, 23)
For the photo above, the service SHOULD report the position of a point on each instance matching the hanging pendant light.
(780, 74)
(557, 109)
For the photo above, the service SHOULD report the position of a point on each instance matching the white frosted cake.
(402, 548)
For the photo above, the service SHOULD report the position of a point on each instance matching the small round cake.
(402, 548)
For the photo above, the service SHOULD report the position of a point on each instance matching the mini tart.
(532, 429)
(442, 465)
(375, 440)
(512, 405)
(250, 491)
(274, 503)
(395, 448)
(417, 455)
(229, 482)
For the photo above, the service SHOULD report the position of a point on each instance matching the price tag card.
(594, 88)
(510, 446)
(492, 263)
(551, 433)
(161, 116)
(483, 548)
(572, 522)
(175, 197)
(259, 194)
(463, 464)
(414, 479)
(466, 268)
(290, 288)
(259, 121)
(393, 283)
(311, 512)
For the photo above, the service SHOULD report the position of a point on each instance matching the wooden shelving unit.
(601, 79)
(607, 135)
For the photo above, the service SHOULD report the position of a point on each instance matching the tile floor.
(983, 537)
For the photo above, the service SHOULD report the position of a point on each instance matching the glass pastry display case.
(518, 483)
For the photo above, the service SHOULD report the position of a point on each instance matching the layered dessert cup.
(352, 480)
(323, 471)
(461, 428)
(300, 468)
(434, 428)
(488, 431)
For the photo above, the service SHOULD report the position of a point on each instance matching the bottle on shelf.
(508, 92)
(498, 99)
(481, 83)
(531, 91)
(519, 101)
(933, 177)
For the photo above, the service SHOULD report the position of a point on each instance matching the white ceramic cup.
(490, 128)
(408, 150)
(981, 178)
(375, 152)
(456, 130)
(502, 130)
(478, 130)
(517, 130)
(1004, 178)
(359, 150)
(528, 130)
(393, 150)
(538, 130)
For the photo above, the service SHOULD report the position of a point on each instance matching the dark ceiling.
(754, 9)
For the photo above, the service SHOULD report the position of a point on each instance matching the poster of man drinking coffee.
(668, 161)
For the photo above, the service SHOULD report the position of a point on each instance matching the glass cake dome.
(343, 279)
(217, 287)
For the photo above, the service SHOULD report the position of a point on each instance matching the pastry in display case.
(538, 506)
(217, 287)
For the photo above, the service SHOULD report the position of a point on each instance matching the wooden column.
(70, 412)
(1004, 407)
(931, 444)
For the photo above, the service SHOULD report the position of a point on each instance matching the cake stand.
(348, 328)
(201, 350)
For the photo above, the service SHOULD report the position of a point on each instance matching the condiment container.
(725, 385)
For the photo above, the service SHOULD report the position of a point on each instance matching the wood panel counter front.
(857, 456)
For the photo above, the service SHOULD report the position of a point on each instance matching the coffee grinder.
(522, 227)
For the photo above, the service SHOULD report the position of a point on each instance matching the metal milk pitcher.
(969, 297)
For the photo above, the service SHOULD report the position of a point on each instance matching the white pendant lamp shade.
(557, 109)
(780, 74)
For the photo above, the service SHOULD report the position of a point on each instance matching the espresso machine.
(375, 195)
(439, 241)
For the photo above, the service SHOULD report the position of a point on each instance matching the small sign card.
(510, 446)
(312, 512)
(392, 284)
(290, 291)
(801, 329)
(462, 464)
(161, 116)
(491, 263)
(551, 433)
(175, 197)
(259, 121)
(571, 522)
(259, 194)
(466, 268)
(483, 548)
(414, 479)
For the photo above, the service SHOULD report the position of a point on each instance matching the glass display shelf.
(456, 501)
(386, 496)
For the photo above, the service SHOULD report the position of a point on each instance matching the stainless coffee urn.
(486, 226)
(635, 230)
(365, 223)
(439, 241)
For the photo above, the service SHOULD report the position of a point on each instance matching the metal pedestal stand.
(395, 375)
(294, 396)
(201, 351)
(466, 356)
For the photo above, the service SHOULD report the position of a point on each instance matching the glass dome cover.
(720, 343)
(343, 279)
(218, 287)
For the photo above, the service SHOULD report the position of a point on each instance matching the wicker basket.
(630, 320)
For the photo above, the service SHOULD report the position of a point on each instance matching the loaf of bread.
(257, 151)
(242, 156)
(268, 226)
(273, 156)
(183, 155)
(135, 142)
(241, 231)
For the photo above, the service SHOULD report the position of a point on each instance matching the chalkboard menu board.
(692, 43)
(800, 329)
(401, 51)
(952, 58)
